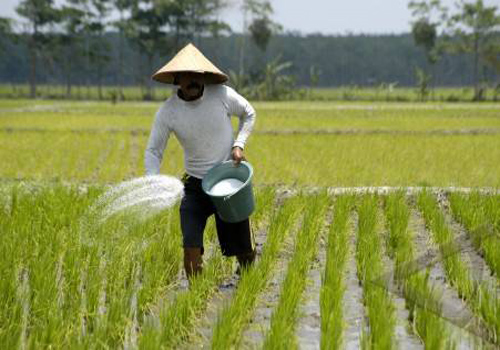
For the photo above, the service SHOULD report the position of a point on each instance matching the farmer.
(198, 114)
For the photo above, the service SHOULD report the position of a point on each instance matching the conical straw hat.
(190, 59)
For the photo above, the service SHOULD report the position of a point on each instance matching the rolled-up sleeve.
(240, 107)
(158, 138)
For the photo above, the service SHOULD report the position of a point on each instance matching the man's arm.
(157, 142)
(240, 107)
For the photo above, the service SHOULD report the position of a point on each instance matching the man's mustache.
(194, 85)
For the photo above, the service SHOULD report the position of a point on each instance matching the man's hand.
(237, 155)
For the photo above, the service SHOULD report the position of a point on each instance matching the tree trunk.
(87, 65)
(149, 86)
(120, 58)
(33, 62)
(68, 72)
(476, 66)
(243, 34)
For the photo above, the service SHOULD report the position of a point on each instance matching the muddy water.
(354, 313)
(459, 318)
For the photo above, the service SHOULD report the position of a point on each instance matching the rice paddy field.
(377, 226)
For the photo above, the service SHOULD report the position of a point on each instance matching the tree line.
(122, 42)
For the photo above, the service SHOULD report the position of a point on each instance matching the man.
(199, 116)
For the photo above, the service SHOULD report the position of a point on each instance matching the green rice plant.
(332, 286)
(483, 299)
(422, 301)
(235, 316)
(281, 334)
(379, 306)
(480, 214)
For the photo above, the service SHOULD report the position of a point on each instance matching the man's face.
(190, 83)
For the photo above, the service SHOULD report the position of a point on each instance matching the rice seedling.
(481, 216)
(380, 310)
(482, 300)
(332, 288)
(233, 317)
(283, 320)
(421, 299)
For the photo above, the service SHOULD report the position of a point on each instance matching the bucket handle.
(228, 197)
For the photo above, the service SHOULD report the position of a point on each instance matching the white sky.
(325, 16)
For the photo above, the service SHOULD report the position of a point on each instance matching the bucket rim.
(250, 175)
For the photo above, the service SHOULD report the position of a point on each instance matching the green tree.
(123, 7)
(147, 30)
(425, 33)
(476, 27)
(69, 44)
(5, 30)
(92, 19)
(41, 15)
(99, 47)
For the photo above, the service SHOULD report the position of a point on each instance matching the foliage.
(262, 27)
(5, 30)
(423, 80)
(425, 35)
(476, 27)
(271, 84)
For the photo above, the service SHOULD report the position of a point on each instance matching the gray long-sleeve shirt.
(203, 128)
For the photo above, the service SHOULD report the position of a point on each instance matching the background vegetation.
(118, 43)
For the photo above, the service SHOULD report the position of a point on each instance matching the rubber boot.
(192, 262)
(245, 261)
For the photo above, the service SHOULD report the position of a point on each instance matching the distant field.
(344, 93)
(306, 143)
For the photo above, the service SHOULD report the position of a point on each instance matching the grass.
(379, 307)
(332, 287)
(422, 301)
(482, 299)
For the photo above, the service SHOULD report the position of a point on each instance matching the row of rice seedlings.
(144, 261)
(233, 318)
(79, 278)
(379, 306)
(480, 214)
(281, 334)
(35, 236)
(333, 288)
(178, 319)
(421, 300)
(482, 300)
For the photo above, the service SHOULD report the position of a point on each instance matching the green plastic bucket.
(239, 205)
